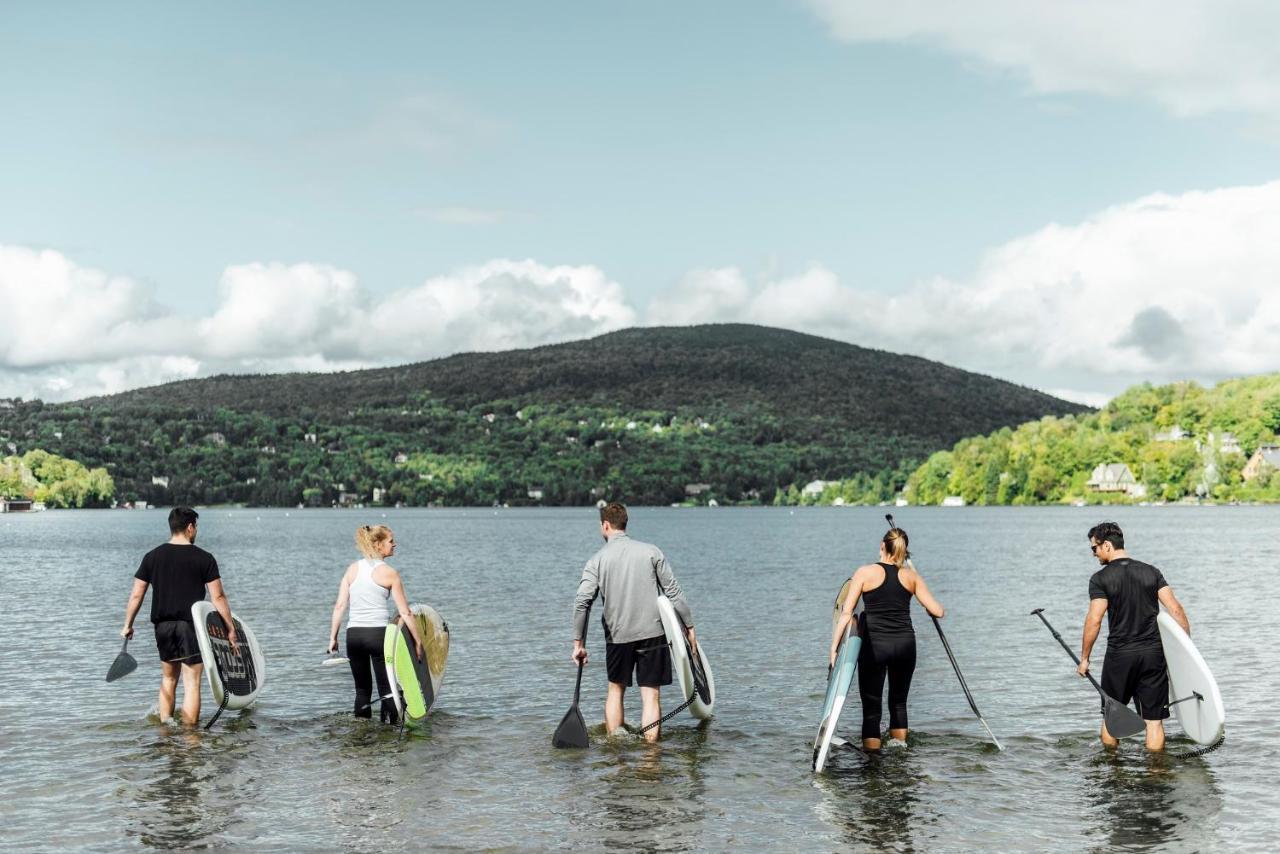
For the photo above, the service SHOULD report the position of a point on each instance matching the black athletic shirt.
(177, 575)
(888, 607)
(1130, 588)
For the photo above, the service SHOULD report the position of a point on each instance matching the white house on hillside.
(1115, 477)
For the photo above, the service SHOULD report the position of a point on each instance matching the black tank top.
(888, 607)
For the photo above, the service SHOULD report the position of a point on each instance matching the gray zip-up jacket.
(627, 574)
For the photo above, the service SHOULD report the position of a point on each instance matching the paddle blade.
(572, 731)
(123, 665)
(1122, 721)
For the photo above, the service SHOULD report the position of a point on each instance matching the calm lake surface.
(84, 768)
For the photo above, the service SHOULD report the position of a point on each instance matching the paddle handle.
(1038, 612)
(577, 686)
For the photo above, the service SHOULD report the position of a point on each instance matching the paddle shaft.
(577, 686)
(964, 686)
(1058, 638)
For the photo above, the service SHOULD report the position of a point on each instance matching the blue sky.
(430, 174)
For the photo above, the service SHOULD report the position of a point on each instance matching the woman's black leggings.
(364, 651)
(890, 655)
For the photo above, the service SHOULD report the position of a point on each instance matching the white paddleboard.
(1203, 719)
(237, 677)
(703, 689)
(838, 683)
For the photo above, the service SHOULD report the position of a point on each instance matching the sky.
(1075, 197)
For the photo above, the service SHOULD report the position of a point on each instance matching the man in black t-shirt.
(179, 572)
(1130, 592)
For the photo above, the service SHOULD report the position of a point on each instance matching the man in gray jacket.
(628, 575)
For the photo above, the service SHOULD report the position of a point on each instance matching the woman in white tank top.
(366, 587)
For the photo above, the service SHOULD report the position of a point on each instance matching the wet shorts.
(1138, 675)
(176, 640)
(650, 659)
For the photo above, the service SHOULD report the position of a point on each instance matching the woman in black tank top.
(888, 639)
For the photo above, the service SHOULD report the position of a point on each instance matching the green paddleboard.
(417, 682)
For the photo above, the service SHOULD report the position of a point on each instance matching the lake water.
(83, 768)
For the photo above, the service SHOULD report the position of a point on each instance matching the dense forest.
(731, 413)
(54, 481)
(1179, 442)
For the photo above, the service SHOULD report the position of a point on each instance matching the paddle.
(955, 666)
(572, 731)
(123, 665)
(1121, 720)
(333, 661)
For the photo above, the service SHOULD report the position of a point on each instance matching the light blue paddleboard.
(838, 683)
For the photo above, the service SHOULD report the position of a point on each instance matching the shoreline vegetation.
(1178, 443)
(55, 482)
(1173, 444)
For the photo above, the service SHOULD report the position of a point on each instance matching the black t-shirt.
(1130, 588)
(177, 575)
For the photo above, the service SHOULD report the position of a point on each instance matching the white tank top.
(368, 598)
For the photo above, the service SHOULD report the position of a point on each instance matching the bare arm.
(1092, 625)
(932, 605)
(136, 595)
(339, 608)
(402, 606)
(1165, 594)
(224, 610)
(856, 582)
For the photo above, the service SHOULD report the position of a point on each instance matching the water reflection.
(1154, 801)
(874, 799)
(189, 797)
(647, 797)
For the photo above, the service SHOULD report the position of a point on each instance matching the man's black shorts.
(649, 658)
(176, 641)
(1139, 675)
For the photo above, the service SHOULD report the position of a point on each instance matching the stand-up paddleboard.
(694, 676)
(415, 683)
(237, 678)
(1193, 692)
(838, 682)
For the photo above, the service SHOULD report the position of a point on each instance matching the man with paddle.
(628, 575)
(179, 571)
(1130, 593)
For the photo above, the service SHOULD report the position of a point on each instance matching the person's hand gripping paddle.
(1121, 720)
(572, 731)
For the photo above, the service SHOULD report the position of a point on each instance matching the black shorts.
(649, 658)
(1138, 675)
(176, 641)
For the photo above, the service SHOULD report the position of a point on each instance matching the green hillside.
(1179, 441)
(652, 415)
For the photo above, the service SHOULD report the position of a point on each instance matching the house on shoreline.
(1266, 458)
(1115, 477)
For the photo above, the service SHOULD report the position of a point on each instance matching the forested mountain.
(648, 415)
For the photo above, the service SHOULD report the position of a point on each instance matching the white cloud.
(1163, 288)
(1192, 57)
(279, 310)
(499, 305)
(70, 331)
